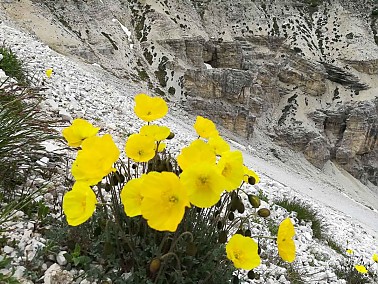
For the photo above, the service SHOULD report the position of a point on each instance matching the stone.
(55, 275)
(61, 259)
(8, 249)
(65, 115)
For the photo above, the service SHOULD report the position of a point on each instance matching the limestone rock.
(55, 275)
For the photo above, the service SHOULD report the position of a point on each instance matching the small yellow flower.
(79, 130)
(204, 183)
(285, 243)
(140, 148)
(349, 251)
(149, 108)
(361, 269)
(243, 252)
(205, 128)
(79, 204)
(131, 196)
(49, 72)
(375, 257)
(197, 152)
(231, 167)
(250, 173)
(95, 160)
(164, 201)
(156, 132)
(218, 144)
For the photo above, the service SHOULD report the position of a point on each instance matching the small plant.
(6, 279)
(304, 213)
(12, 66)
(22, 130)
(356, 270)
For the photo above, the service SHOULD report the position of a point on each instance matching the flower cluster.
(362, 267)
(209, 174)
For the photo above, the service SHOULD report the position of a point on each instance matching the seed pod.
(254, 200)
(234, 203)
(251, 180)
(251, 274)
(231, 216)
(240, 207)
(155, 265)
(222, 237)
(171, 136)
(263, 212)
(191, 249)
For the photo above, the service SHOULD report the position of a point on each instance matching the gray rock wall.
(305, 72)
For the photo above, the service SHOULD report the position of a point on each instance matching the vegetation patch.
(304, 213)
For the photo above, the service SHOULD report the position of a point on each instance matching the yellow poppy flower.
(161, 147)
(140, 148)
(156, 132)
(204, 184)
(79, 204)
(285, 243)
(218, 144)
(243, 252)
(164, 201)
(131, 196)
(204, 127)
(250, 173)
(149, 108)
(197, 152)
(349, 251)
(231, 167)
(79, 130)
(375, 257)
(49, 72)
(95, 160)
(361, 269)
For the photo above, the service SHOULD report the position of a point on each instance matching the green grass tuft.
(12, 66)
(304, 213)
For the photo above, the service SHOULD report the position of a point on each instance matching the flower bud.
(254, 200)
(248, 233)
(263, 212)
(251, 274)
(155, 265)
(171, 136)
(240, 207)
(108, 187)
(231, 216)
(251, 180)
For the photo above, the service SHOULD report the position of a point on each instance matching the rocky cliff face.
(304, 72)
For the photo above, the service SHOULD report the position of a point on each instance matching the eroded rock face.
(296, 68)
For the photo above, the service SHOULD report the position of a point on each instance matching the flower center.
(173, 199)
